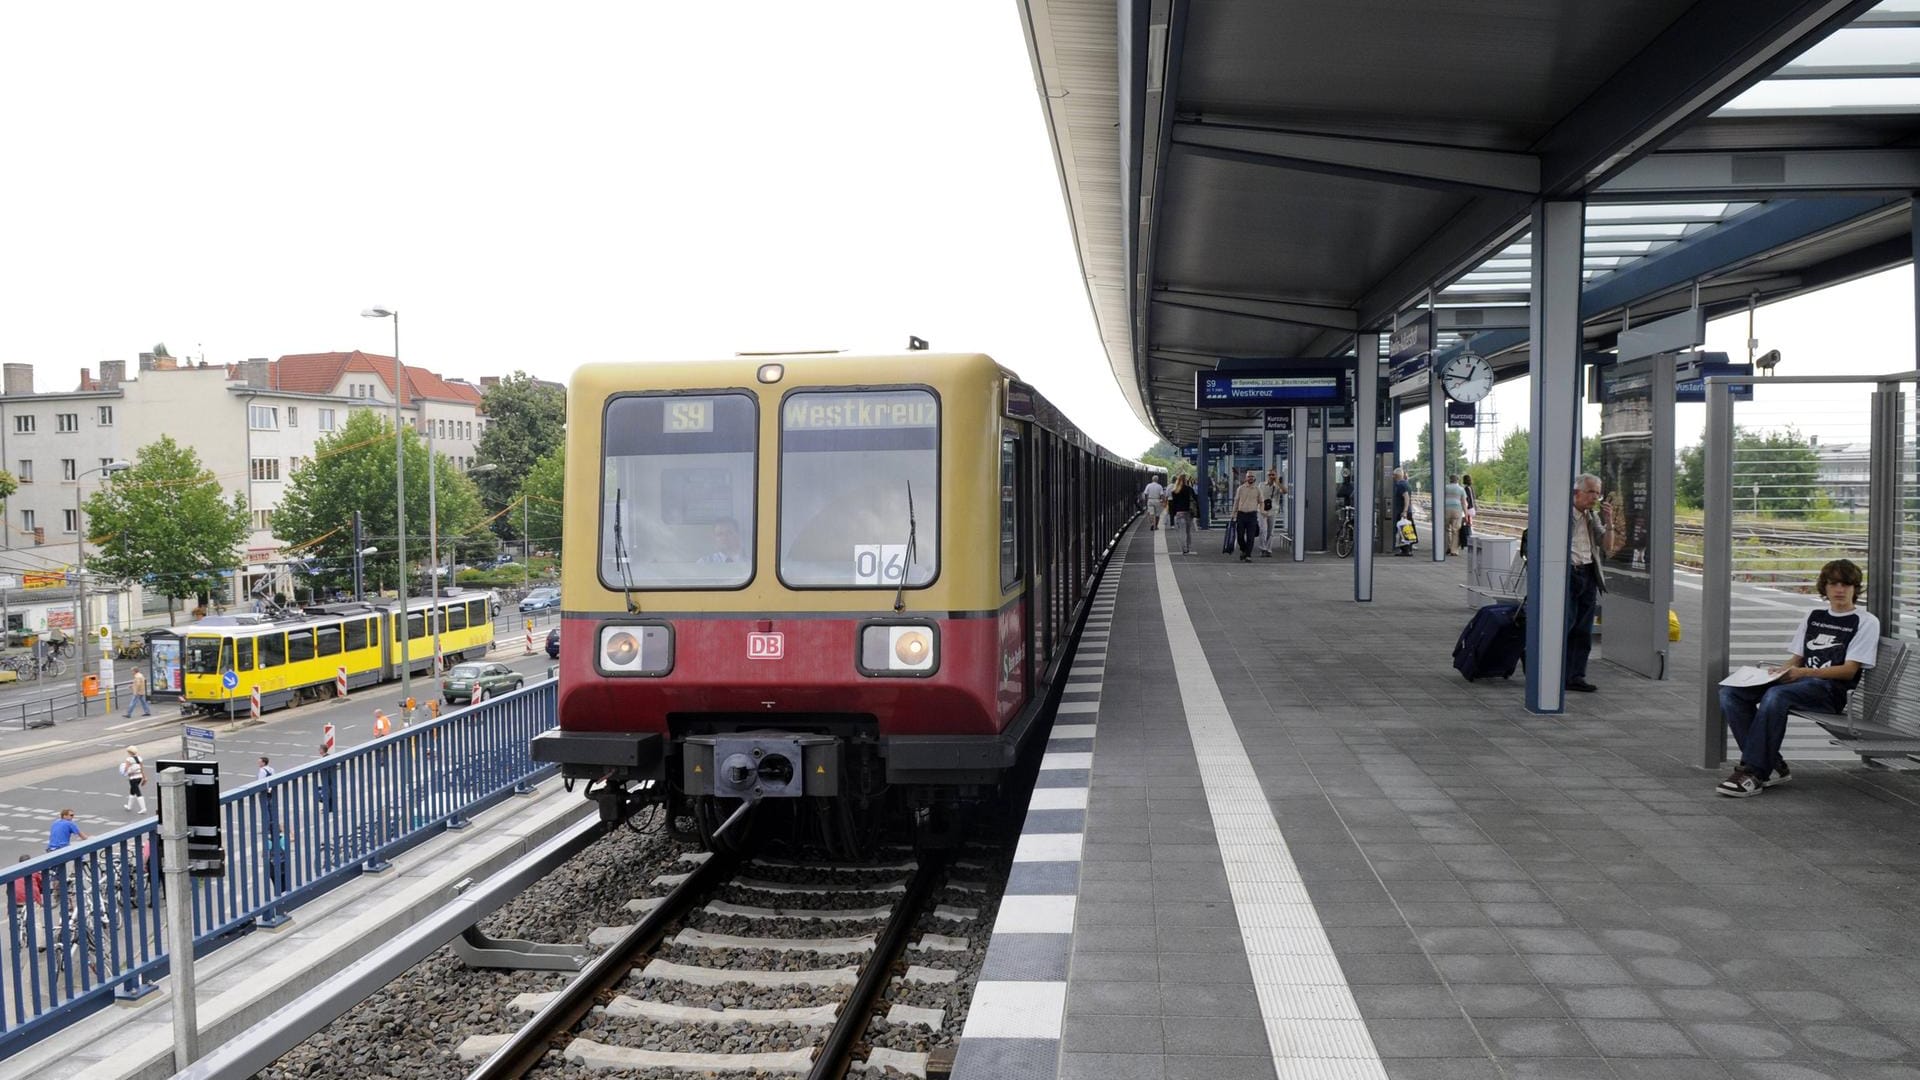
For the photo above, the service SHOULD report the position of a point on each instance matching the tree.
(167, 522)
(526, 420)
(1165, 457)
(1419, 471)
(8, 485)
(544, 491)
(1690, 477)
(1503, 479)
(352, 469)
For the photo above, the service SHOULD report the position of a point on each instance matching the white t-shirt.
(1826, 637)
(1154, 492)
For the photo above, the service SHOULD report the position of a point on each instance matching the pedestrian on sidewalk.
(1180, 505)
(1404, 536)
(1454, 503)
(1246, 513)
(1271, 492)
(135, 771)
(1151, 499)
(139, 696)
(323, 787)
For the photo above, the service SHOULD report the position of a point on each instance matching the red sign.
(59, 620)
(771, 646)
(261, 554)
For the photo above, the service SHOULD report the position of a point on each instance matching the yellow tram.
(215, 664)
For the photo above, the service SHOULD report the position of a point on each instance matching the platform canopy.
(1252, 179)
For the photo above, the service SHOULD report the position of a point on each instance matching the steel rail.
(831, 1062)
(287, 1027)
(526, 1047)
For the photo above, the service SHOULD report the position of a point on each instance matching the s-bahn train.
(838, 588)
(213, 665)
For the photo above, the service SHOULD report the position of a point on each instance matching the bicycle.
(1343, 540)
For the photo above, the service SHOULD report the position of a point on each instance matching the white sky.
(537, 187)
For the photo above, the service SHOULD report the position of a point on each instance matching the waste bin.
(90, 685)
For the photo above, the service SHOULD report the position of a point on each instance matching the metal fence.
(86, 924)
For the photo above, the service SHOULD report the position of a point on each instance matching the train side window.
(373, 631)
(476, 613)
(416, 624)
(226, 654)
(299, 645)
(1009, 510)
(273, 650)
(457, 617)
(326, 641)
(243, 649)
(356, 634)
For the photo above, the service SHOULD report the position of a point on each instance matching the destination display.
(839, 412)
(1299, 385)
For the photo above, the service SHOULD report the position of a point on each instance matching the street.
(76, 764)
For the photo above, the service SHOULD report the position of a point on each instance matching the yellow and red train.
(839, 588)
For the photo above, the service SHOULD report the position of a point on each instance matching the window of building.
(66, 421)
(25, 473)
(27, 521)
(105, 461)
(326, 420)
(106, 416)
(293, 416)
(266, 468)
(23, 425)
(72, 519)
(263, 521)
(69, 469)
(263, 418)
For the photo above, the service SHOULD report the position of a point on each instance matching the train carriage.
(214, 665)
(840, 586)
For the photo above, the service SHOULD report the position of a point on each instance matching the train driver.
(726, 543)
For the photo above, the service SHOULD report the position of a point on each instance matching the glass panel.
(246, 654)
(356, 635)
(327, 641)
(416, 624)
(1856, 47)
(476, 613)
(273, 650)
(859, 488)
(1009, 510)
(203, 655)
(457, 617)
(1710, 211)
(1796, 96)
(300, 645)
(677, 501)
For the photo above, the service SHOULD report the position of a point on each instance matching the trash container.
(90, 686)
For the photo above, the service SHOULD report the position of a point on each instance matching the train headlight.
(897, 649)
(635, 649)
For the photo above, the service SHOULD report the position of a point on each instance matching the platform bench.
(1872, 726)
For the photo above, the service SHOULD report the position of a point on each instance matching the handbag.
(1266, 504)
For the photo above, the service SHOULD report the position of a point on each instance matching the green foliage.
(544, 491)
(1418, 469)
(1166, 457)
(1690, 477)
(8, 485)
(526, 421)
(1783, 466)
(166, 521)
(352, 469)
(1503, 478)
(1590, 455)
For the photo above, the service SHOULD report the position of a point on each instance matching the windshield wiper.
(900, 594)
(620, 548)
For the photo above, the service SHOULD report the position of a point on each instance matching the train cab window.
(1009, 510)
(273, 650)
(859, 488)
(677, 491)
(326, 641)
(355, 634)
(203, 655)
(299, 645)
(456, 617)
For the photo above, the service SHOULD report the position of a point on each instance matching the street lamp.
(400, 496)
(359, 591)
(80, 570)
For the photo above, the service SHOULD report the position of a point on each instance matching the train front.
(768, 600)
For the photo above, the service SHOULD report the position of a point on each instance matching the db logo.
(766, 646)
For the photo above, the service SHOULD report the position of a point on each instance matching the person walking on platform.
(1151, 498)
(1246, 513)
(1180, 509)
(1585, 580)
(1455, 502)
(1829, 650)
(139, 695)
(1270, 494)
(135, 771)
(1402, 511)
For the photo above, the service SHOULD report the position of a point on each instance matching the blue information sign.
(1278, 387)
(1690, 384)
(230, 678)
(1460, 414)
(1409, 350)
(1279, 420)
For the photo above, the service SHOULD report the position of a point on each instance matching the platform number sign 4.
(879, 564)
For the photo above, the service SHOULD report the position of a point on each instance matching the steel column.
(1437, 460)
(1716, 583)
(1297, 444)
(1884, 505)
(1366, 458)
(1554, 412)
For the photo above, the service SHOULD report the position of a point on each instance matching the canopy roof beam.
(1389, 160)
(1286, 311)
(1745, 176)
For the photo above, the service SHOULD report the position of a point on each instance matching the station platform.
(1277, 835)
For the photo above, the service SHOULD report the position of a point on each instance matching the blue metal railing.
(86, 924)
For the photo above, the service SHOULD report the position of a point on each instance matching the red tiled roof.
(319, 373)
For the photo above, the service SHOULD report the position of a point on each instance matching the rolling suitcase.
(1233, 532)
(1494, 642)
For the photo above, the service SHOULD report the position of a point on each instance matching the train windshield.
(203, 655)
(859, 488)
(677, 494)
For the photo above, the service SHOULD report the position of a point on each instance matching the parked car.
(553, 643)
(493, 601)
(539, 599)
(465, 680)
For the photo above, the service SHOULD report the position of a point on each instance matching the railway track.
(751, 967)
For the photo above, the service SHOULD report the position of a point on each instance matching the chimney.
(165, 363)
(489, 381)
(112, 374)
(146, 361)
(254, 372)
(16, 380)
(86, 380)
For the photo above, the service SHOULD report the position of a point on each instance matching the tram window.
(326, 641)
(1009, 510)
(416, 624)
(300, 645)
(273, 650)
(456, 617)
(851, 462)
(356, 634)
(678, 486)
(203, 655)
(476, 613)
(226, 654)
(244, 659)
